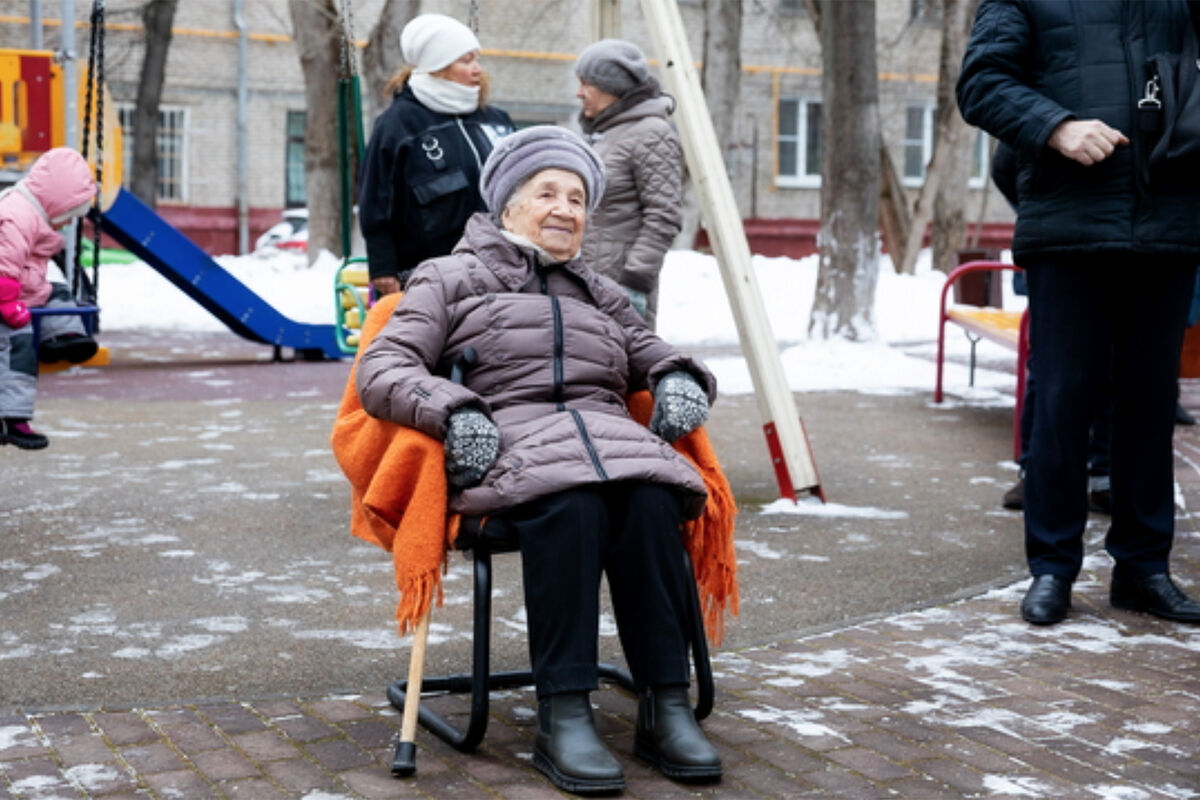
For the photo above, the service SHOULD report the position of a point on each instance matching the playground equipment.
(33, 117)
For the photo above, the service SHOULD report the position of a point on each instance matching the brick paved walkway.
(962, 700)
(957, 701)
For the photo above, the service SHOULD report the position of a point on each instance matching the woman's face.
(466, 70)
(594, 100)
(550, 210)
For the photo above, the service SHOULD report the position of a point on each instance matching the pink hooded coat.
(59, 181)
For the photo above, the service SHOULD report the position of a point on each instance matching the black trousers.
(1087, 312)
(629, 531)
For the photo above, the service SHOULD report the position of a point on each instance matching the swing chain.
(473, 16)
(82, 287)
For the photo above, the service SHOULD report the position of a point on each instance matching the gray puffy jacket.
(559, 349)
(641, 212)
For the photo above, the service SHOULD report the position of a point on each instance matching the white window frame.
(181, 116)
(981, 152)
(809, 176)
(925, 143)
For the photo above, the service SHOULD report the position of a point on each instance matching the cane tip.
(404, 763)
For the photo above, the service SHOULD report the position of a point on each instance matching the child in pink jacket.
(58, 188)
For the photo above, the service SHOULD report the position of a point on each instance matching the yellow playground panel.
(352, 297)
(33, 117)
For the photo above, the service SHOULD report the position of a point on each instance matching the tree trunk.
(843, 304)
(381, 57)
(318, 43)
(949, 207)
(721, 79)
(157, 17)
(948, 129)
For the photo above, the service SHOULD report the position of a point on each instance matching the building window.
(981, 160)
(294, 195)
(799, 143)
(792, 7)
(918, 143)
(171, 148)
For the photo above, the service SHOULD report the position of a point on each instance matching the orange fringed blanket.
(399, 491)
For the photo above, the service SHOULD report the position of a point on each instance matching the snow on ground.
(694, 313)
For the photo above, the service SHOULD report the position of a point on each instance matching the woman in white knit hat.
(420, 178)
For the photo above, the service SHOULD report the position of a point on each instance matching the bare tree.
(721, 79)
(157, 18)
(946, 175)
(318, 36)
(381, 57)
(843, 304)
(948, 234)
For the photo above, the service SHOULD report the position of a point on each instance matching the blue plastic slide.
(152, 239)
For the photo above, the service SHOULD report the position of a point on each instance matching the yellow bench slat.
(994, 324)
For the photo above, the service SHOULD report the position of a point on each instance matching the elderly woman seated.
(539, 434)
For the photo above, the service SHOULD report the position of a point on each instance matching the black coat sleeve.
(995, 88)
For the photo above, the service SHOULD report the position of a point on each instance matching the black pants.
(629, 531)
(1127, 309)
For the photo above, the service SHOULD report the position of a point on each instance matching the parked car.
(290, 233)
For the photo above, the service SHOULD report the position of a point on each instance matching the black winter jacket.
(1032, 64)
(420, 181)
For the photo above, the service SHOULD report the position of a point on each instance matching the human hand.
(388, 284)
(680, 406)
(472, 445)
(639, 300)
(1088, 141)
(14, 313)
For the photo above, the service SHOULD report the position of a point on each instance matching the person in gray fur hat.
(538, 438)
(626, 117)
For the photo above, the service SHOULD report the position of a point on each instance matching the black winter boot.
(18, 432)
(569, 752)
(669, 737)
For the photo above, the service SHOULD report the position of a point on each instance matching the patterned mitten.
(472, 445)
(680, 406)
(14, 313)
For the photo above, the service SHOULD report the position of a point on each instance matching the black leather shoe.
(669, 738)
(1153, 594)
(1014, 498)
(1047, 600)
(1182, 417)
(569, 752)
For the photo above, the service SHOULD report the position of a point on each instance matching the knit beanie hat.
(430, 42)
(612, 65)
(520, 156)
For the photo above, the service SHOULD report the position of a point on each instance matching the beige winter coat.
(642, 210)
(559, 349)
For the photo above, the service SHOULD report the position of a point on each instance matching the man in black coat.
(1110, 260)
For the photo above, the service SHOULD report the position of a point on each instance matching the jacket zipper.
(467, 136)
(587, 442)
(560, 380)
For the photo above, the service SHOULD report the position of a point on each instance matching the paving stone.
(124, 727)
(222, 765)
(338, 754)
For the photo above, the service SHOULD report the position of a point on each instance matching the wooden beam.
(795, 470)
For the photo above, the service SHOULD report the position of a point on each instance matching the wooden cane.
(404, 762)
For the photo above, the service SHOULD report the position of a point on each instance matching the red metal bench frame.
(1022, 340)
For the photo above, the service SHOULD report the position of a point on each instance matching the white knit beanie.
(430, 42)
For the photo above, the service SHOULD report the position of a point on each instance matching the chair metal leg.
(481, 681)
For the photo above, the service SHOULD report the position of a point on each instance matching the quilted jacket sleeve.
(994, 91)
(657, 161)
(395, 377)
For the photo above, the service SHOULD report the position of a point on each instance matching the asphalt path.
(185, 536)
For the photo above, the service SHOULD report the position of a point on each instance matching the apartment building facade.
(529, 47)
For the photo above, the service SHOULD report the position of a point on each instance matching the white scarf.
(544, 258)
(443, 96)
